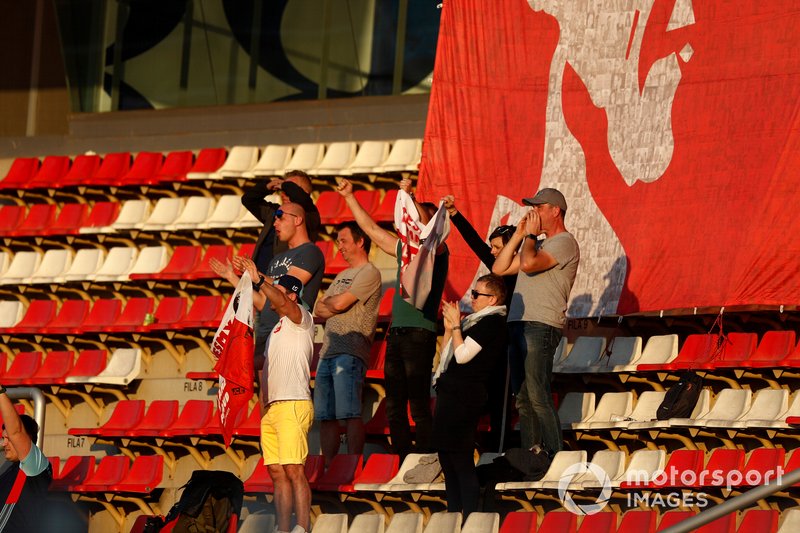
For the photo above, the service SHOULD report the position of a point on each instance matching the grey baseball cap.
(547, 196)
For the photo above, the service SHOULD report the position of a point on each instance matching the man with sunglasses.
(302, 259)
(294, 187)
(545, 271)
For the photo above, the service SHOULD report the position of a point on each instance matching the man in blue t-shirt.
(25, 479)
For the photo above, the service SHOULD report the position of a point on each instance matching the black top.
(482, 250)
(27, 514)
(253, 200)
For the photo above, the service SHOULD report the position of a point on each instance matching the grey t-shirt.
(542, 296)
(308, 257)
(351, 332)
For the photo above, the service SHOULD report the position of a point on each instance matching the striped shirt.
(290, 348)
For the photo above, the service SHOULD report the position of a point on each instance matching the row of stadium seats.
(63, 367)
(151, 168)
(731, 408)
(134, 315)
(170, 214)
(633, 521)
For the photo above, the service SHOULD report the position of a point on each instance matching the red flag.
(233, 347)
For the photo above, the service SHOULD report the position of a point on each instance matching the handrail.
(735, 504)
(32, 393)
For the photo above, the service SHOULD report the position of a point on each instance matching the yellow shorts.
(284, 432)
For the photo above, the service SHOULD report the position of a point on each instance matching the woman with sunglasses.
(485, 252)
(472, 347)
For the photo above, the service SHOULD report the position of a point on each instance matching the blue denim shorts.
(338, 387)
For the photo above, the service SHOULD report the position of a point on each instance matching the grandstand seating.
(83, 169)
(208, 161)
(22, 170)
(240, 159)
(273, 160)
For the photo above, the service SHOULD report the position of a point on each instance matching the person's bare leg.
(355, 436)
(283, 495)
(329, 439)
(301, 493)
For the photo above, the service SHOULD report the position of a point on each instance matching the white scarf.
(470, 320)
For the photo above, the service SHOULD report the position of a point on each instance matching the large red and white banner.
(672, 127)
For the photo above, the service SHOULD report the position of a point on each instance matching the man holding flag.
(411, 340)
(286, 394)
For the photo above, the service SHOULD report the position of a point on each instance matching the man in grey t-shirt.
(545, 274)
(350, 306)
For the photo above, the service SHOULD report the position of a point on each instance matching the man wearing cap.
(545, 274)
(286, 395)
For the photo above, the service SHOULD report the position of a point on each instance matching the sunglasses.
(475, 294)
(280, 212)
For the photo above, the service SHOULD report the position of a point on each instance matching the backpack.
(209, 500)
(681, 398)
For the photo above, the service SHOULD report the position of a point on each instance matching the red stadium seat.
(103, 312)
(670, 518)
(89, 363)
(206, 312)
(39, 218)
(377, 358)
(250, 426)
(84, 167)
(736, 351)
(519, 522)
(102, 214)
(380, 468)
(726, 524)
(315, 467)
(762, 466)
(259, 480)
(50, 174)
(340, 473)
(176, 166)
(11, 216)
(113, 167)
(69, 319)
(721, 460)
(184, 259)
(54, 370)
(559, 522)
(246, 249)
(22, 170)
(774, 347)
(126, 415)
(638, 522)
(196, 414)
(792, 360)
(369, 200)
(680, 461)
(160, 415)
(599, 523)
(38, 315)
(24, 366)
(336, 263)
(111, 471)
(758, 521)
(220, 252)
(208, 160)
(132, 318)
(171, 311)
(69, 220)
(76, 470)
(143, 477)
(331, 207)
(144, 170)
(385, 307)
(385, 212)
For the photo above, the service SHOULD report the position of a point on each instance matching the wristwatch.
(257, 286)
(532, 236)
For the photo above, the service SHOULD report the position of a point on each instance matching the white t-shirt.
(290, 348)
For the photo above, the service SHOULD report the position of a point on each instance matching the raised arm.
(385, 240)
(507, 261)
(253, 200)
(531, 259)
(471, 237)
(17, 436)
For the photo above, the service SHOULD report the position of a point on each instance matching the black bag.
(209, 500)
(681, 398)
